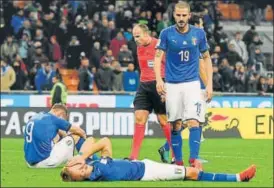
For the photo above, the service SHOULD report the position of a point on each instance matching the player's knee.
(192, 173)
(141, 117)
(107, 141)
(176, 126)
(92, 139)
(192, 123)
(162, 120)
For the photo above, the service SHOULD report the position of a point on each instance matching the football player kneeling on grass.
(108, 169)
(50, 140)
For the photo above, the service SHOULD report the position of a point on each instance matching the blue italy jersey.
(182, 53)
(107, 169)
(39, 134)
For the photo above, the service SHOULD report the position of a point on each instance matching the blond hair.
(182, 4)
(143, 27)
(65, 175)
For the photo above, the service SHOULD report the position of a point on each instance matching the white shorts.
(184, 101)
(203, 105)
(155, 171)
(61, 152)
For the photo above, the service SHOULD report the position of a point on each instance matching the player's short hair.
(182, 4)
(59, 106)
(65, 175)
(143, 27)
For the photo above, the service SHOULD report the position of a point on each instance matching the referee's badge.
(194, 41)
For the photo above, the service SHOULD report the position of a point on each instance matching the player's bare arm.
(157, 69)
(209, 72)
(91, 147)
(78, 131)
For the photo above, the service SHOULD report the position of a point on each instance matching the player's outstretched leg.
(195, 174)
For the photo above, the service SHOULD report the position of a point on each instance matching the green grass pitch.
(224, 155)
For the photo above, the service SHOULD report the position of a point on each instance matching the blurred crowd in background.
(38, 38)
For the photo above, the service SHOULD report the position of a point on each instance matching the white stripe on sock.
(238, 177)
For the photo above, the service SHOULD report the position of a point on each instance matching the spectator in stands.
(26, 29)
(22, 64)
(113, 29)
(104, 33)
(117, 43)
(107, 57)
(92, 34)
(227, 74)
(104, 77)
(62, 33)
(44, 75)
(38, 56)
(55, 50)
(73, 53)
(130, 78)
(17, 20)
(95, 55)
(143, 18)
(117, 83)
(149, 19)
(251, 82)
(21, 77)
(24, 47)
(9, 49)
(39, 37)
(257, 59)
(270, 88)
(217, 79)
(128, 34)
(162, 23)
(85, 76)
(221, 37)
(239, 78)
(262, 85)
(249, 35)
(111, 13)
(125, 56)
(255, 43)
(232, 56)
(8, 76)
(240, 46)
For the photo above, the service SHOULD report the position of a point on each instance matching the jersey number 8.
(184, 55)
(29, 129)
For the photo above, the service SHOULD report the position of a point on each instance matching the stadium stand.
(68, 31)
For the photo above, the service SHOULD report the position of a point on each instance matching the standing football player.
(182, 44)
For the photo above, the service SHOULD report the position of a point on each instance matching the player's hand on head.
(160, 86)
(78, 159)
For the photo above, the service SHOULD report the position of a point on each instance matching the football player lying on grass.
(81, 168)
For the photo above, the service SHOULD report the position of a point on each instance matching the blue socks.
(194, 142)
(80, 143)
(204, 176)
(166, 146)
(176, 141)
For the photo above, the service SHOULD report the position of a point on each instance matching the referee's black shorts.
(148, 99)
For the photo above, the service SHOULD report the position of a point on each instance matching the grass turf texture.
(224, 155)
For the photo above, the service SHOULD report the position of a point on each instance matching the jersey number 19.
(184, 55)
(29, 129)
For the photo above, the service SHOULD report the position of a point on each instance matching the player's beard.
(181, 25)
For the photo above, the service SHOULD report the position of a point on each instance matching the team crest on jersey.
(194, 41)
